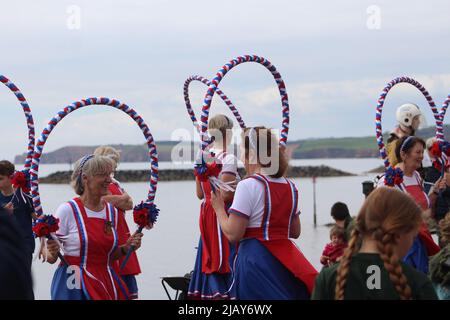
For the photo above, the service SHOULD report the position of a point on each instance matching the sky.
(334, 56)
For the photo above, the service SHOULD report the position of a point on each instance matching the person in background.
(440, 263)
(385, 228)
(341, 215)
(15, 274)
(334, 250)
(20, 206)
(410, 155)
(409, 118)
(122, 201)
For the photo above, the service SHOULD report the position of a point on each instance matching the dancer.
(263, 216)
(121, 200)
(211, 278)
(87, 232)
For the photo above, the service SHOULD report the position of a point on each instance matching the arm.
(52, 251)
(199, 189)
(228, 195)
(133, 241)
(122, 202)
(295, 229)
(232, 226)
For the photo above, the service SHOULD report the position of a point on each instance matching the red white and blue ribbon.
(394, 176)
(213, 87)
(225, 99)
(29, 117)
(40, 143)
(21, 179)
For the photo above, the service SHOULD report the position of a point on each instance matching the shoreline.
(63, 177)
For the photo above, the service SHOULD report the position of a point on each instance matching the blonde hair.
(429, 143)
(262, 142)
(94, 165)
(387, 212)
(219, 127)
(108, 151)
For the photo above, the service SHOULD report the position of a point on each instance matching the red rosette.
(140, 217)
(45, 226)
(436, 150)
(41, 229)
(20, 181)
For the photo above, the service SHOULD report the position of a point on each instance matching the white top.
(249, 200)
(68, 231)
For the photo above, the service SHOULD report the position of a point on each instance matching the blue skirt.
(66, 284)
(260, 276)
(210, 286)
(130, 281)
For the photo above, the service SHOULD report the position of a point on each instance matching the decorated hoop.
(227, 101)
(212, 88)
(395, 176)
(29, 118)
(34, 171)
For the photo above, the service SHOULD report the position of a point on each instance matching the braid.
(344, 265)
(385, 243)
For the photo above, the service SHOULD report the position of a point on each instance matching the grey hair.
(90, 166)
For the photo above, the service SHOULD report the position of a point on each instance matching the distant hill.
(350, 147)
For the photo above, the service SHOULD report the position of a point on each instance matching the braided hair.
(387, 212)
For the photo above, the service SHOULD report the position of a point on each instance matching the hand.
(217, 201)
(135, 240)
(324, 260)
(441, 183)
(53, 247)
(9, 206)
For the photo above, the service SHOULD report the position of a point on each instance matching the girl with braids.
(211, 277)
(409, 152)
(88, 233)
(371, 267)
(263, 217)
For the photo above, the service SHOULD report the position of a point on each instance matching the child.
(335, 249)
(385, 228)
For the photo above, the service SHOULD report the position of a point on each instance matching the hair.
(220, 123)
(407, 146)
(266, 145)
(108, 151)
(6, 168)
(429, 143)
(91, 167)
(387, 212)
(339, 211)
(444, 227)
(338, 232)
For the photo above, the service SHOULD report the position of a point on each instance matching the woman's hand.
(135, 240)
(217, 201)
(441, 183)
(53, 247)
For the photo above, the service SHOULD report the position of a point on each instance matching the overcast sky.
(335, 57)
